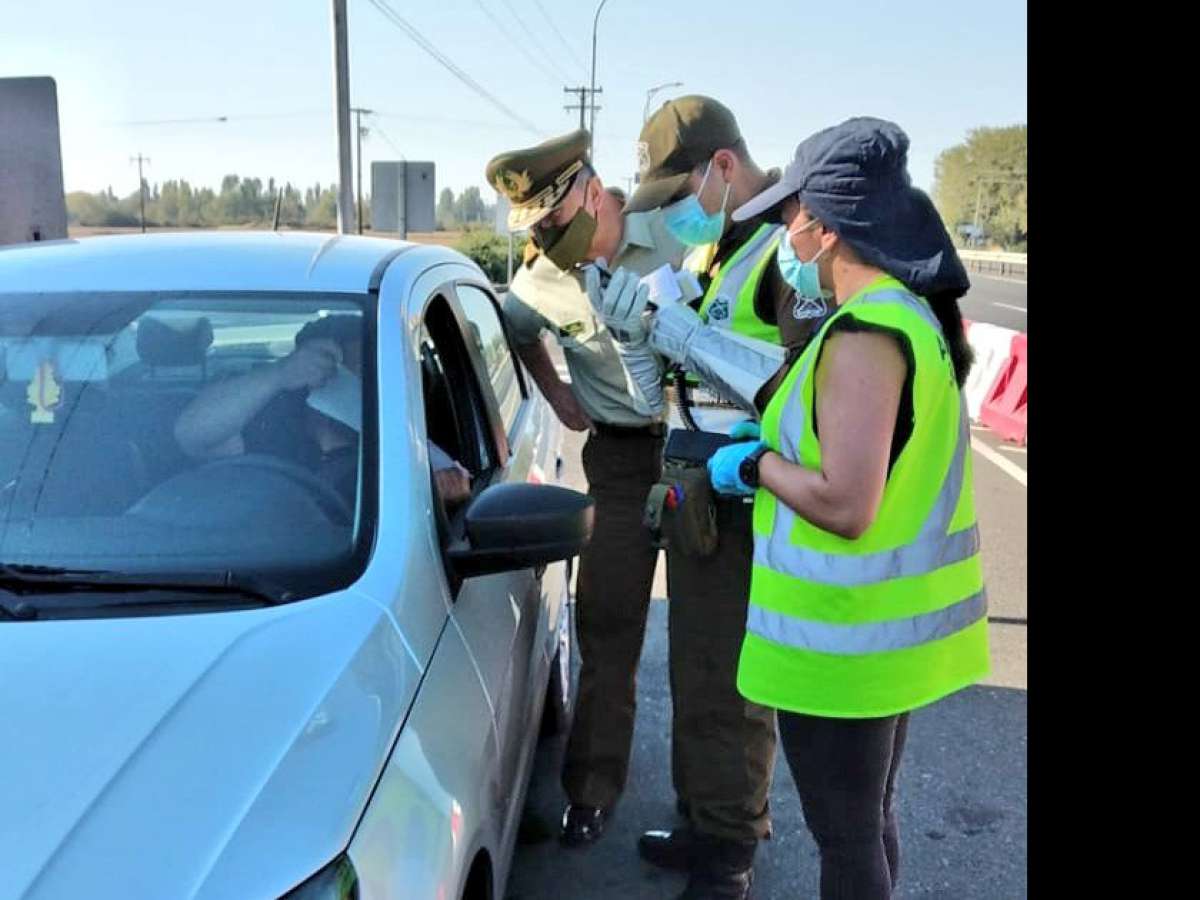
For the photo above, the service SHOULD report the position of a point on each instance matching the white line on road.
(1009, 448)
(1010, 306)
(1005, 465)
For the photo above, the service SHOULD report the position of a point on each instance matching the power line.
(383, 134)
(503, 29)
(476, 123)
(570, 50)
(421, 41)
(542, 50)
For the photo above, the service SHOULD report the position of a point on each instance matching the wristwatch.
(748, 469)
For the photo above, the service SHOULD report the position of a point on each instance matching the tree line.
(248, 201)
(240, 201)
(981, 188)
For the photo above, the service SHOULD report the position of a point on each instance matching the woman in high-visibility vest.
(867, 596)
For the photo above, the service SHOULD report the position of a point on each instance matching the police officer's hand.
(309, 365)
(621, 303)
(569, 411)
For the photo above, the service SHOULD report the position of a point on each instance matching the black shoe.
(668, 849)
(581, 825)
(730, 886)
(723, 870)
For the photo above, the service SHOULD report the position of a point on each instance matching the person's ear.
(725, 162)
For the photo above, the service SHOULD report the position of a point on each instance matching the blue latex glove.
(723, 468)
(748, 430)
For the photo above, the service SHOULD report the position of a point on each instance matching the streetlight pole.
(592, 93)
(654, 90)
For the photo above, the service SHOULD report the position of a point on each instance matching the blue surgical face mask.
(805, 277)
(687, 221)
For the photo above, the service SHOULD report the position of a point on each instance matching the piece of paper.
(340, 398)
(664, 288)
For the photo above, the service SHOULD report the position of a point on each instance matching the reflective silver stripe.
(737, 274)
(865, 638)
(932, 548)
(926, 554)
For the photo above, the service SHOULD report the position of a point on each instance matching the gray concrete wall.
(32, 203)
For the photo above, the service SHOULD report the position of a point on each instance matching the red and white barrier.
(992, 345)
(996, 389)
(1004, 408)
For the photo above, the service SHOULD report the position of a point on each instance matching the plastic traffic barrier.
(1004, 409)
(992, 345)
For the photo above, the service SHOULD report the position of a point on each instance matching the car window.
(455, 417)
(487, 333)
(150, 433)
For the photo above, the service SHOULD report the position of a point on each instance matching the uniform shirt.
(544, 298)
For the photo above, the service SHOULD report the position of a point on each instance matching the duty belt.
(652, 430)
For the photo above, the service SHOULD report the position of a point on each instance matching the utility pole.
(583, 106)
(141, 186)
(341, 111)
(361, 132)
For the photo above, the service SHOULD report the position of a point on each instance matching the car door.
(499, 616)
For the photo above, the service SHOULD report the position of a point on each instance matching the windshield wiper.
(147, 588)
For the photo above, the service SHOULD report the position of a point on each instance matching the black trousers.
(845, 771)
(616, 573)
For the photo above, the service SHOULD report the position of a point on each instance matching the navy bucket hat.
(854, 178)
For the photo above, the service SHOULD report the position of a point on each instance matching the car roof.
(212, 261)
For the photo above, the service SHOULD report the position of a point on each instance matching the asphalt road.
(962, 790)
(1001, 301)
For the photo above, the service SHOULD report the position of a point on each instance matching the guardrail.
(1013, 264)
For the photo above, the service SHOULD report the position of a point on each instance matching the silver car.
(250, 644)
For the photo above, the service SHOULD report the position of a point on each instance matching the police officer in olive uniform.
(577, 228)
(694, 167)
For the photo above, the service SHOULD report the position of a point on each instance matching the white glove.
(622, 304)
(644, 372)
(674, 326)
(736, 367)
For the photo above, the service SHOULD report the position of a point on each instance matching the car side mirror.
(521, 526)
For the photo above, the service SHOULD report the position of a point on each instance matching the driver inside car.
(305, 409)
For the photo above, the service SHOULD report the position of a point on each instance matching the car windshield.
(187, 433)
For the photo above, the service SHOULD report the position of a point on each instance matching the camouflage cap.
(683, 133)
(535, 179)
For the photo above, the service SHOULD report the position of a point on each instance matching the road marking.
(1008, 448)
(1010, 306)
(1005, 465)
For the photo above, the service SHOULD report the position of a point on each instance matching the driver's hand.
(453, 484)
(310, 365)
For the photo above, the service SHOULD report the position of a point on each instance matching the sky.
(128, 70)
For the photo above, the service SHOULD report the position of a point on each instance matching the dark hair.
(341, 328)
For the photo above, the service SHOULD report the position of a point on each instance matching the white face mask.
(340, 398)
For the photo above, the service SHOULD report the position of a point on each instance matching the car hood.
(208, 755)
